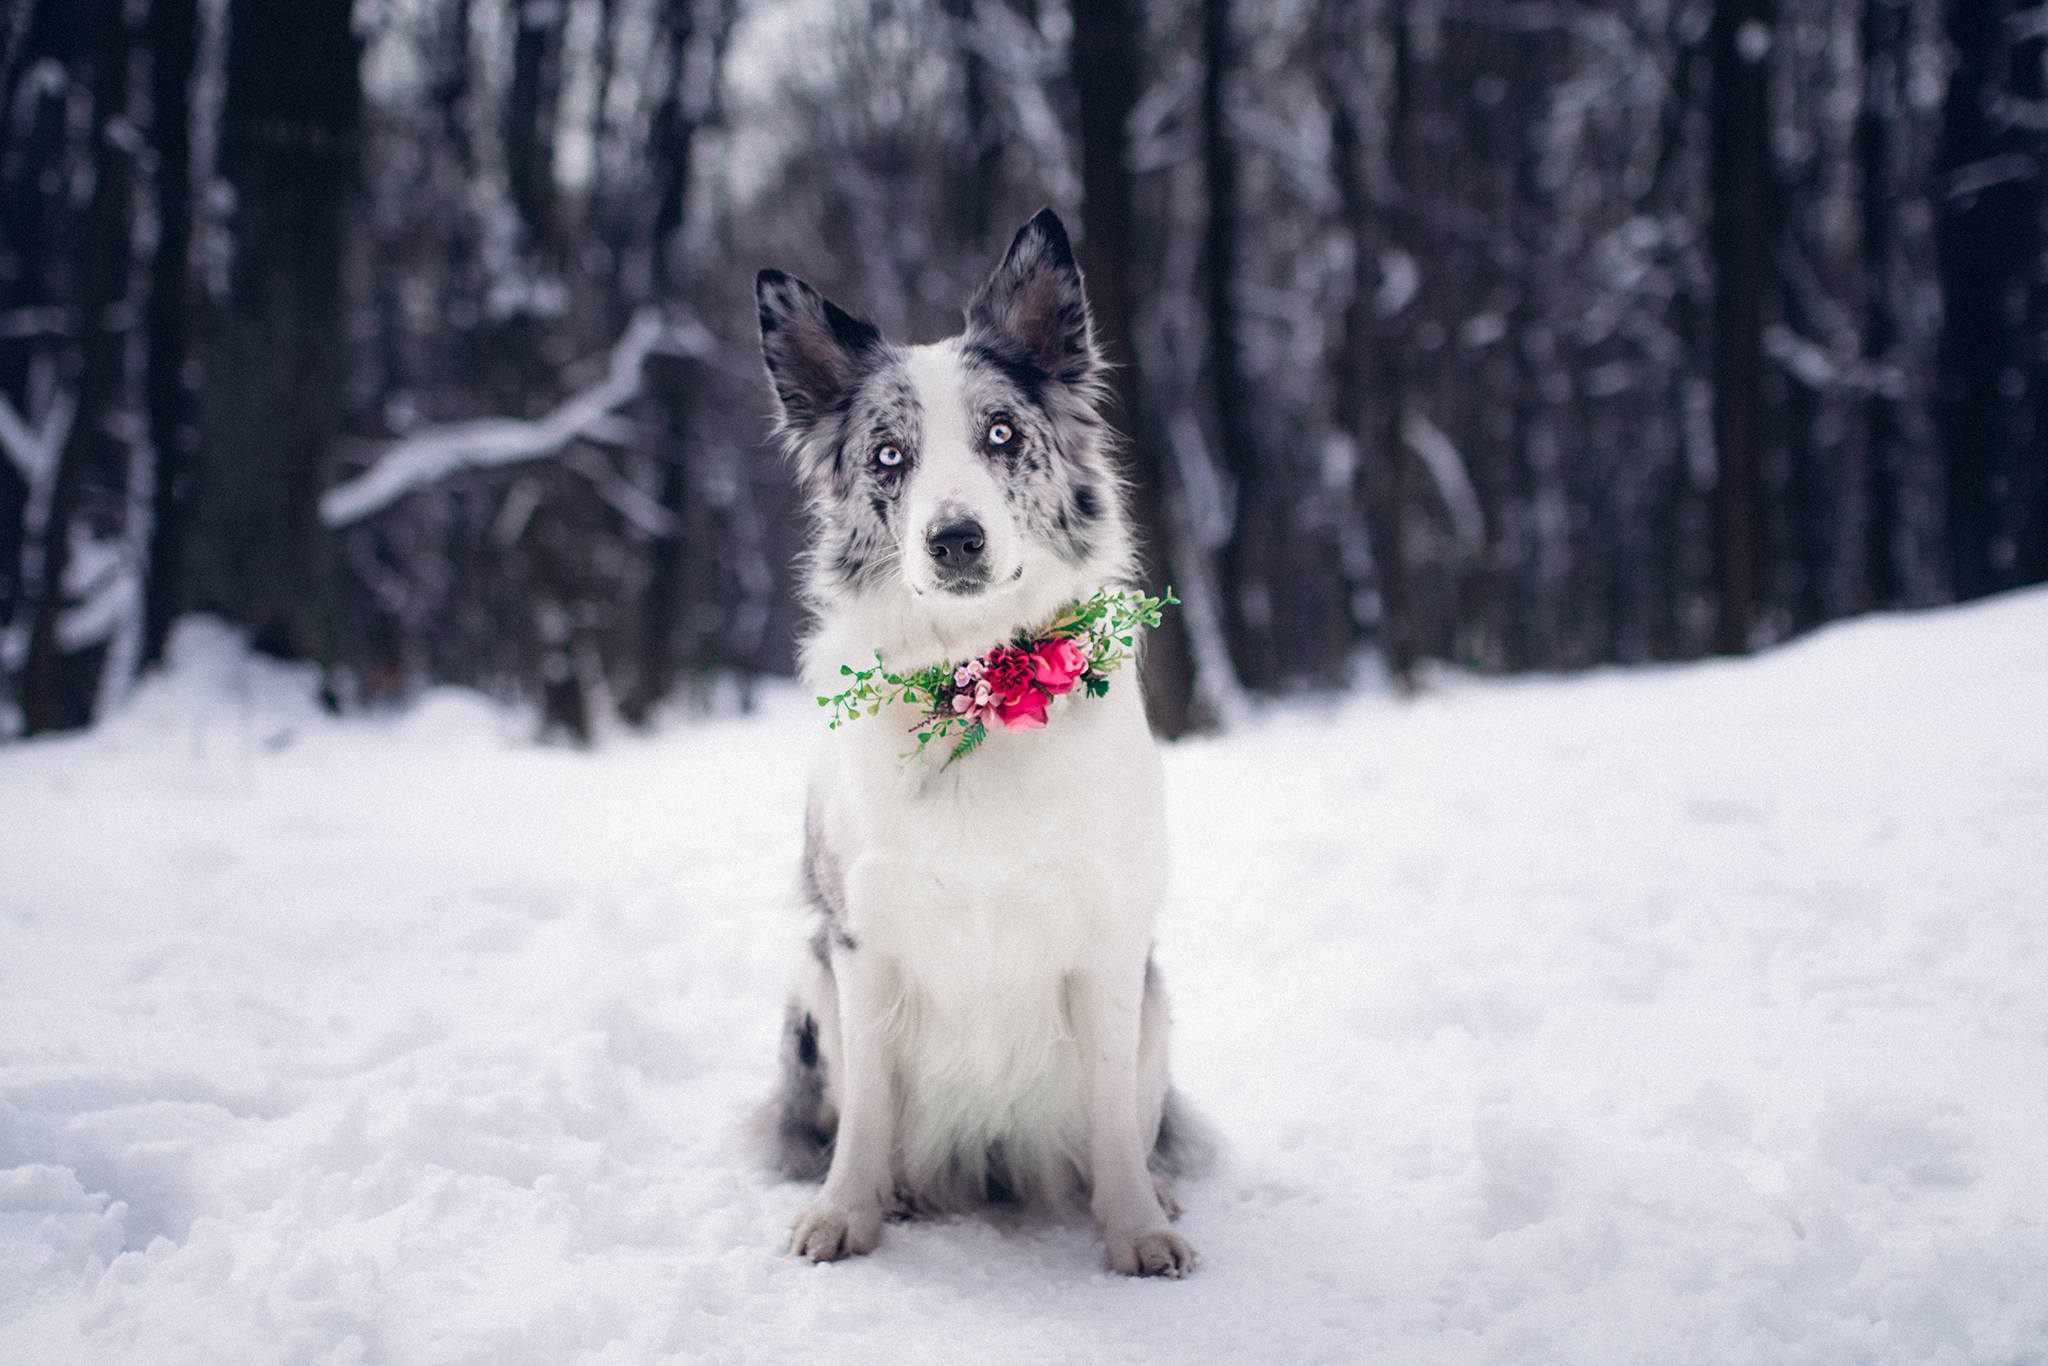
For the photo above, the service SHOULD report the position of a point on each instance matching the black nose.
(956, 545)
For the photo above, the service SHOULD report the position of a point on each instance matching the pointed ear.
(1033, 309)
(816, 352)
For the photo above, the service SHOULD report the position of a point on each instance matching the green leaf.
(976, 733)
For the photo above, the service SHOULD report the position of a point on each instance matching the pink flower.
(1026, 711)
(1057, 663)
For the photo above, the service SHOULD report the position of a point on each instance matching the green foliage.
(1103, 627)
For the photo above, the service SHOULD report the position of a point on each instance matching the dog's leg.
(1153, 1089)
(1106, 1012)
(846, 1217)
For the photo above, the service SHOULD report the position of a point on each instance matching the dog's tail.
(798, 1131)
(1187, 1144)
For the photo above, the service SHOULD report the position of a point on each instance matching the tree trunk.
(977, 179)
(672, 381)
(1989, 239)
(1245, 558)
(530, 118)
(1107, 70)
(1884, 53)
(1367, 380)
(672, 140)
(173, 40)
(56, 693)
(273, 398)
(1738, 186)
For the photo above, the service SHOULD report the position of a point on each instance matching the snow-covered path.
(1687, 1015)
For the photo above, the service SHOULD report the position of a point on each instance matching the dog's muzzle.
(956, 551)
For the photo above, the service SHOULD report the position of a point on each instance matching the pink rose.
(1057, 663)
(1026, 712)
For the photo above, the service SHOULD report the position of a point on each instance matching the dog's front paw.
(1155, 1252)
(826, 1232)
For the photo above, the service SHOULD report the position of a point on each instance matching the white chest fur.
(985, 887)
(1019, 858)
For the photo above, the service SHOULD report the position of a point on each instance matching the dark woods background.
(416, 337)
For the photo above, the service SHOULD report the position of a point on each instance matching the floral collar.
(1012, 685)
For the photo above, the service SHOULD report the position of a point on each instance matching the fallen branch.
(434, 454)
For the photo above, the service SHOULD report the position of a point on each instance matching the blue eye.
(1000, 432)
(888, 456)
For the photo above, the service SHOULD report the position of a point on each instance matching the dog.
(977, 1019)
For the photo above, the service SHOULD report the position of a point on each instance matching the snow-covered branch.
(1447, 470)
(33, 450)
(434, 454)
(1815, 366)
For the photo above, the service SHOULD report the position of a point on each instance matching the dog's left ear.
(1033, 308)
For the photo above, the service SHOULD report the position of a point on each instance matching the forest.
(415, 338)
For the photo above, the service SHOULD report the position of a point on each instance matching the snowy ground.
(1688, 1015)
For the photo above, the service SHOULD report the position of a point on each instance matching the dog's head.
(959, 472)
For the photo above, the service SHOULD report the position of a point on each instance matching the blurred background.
(416, 337)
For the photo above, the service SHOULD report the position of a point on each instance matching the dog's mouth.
(970, 587)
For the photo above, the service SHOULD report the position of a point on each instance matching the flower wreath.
(1012, 685)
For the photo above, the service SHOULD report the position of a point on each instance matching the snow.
(1678, 1015)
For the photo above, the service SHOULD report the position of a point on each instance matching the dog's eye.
(889, 457)
(1000, 432)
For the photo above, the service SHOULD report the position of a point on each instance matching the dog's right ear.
(815, 350)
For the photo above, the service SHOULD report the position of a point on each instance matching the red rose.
(1026, 711)
(1011, 673)
(1057, 664)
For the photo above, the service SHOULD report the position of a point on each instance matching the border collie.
(977, 1019)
